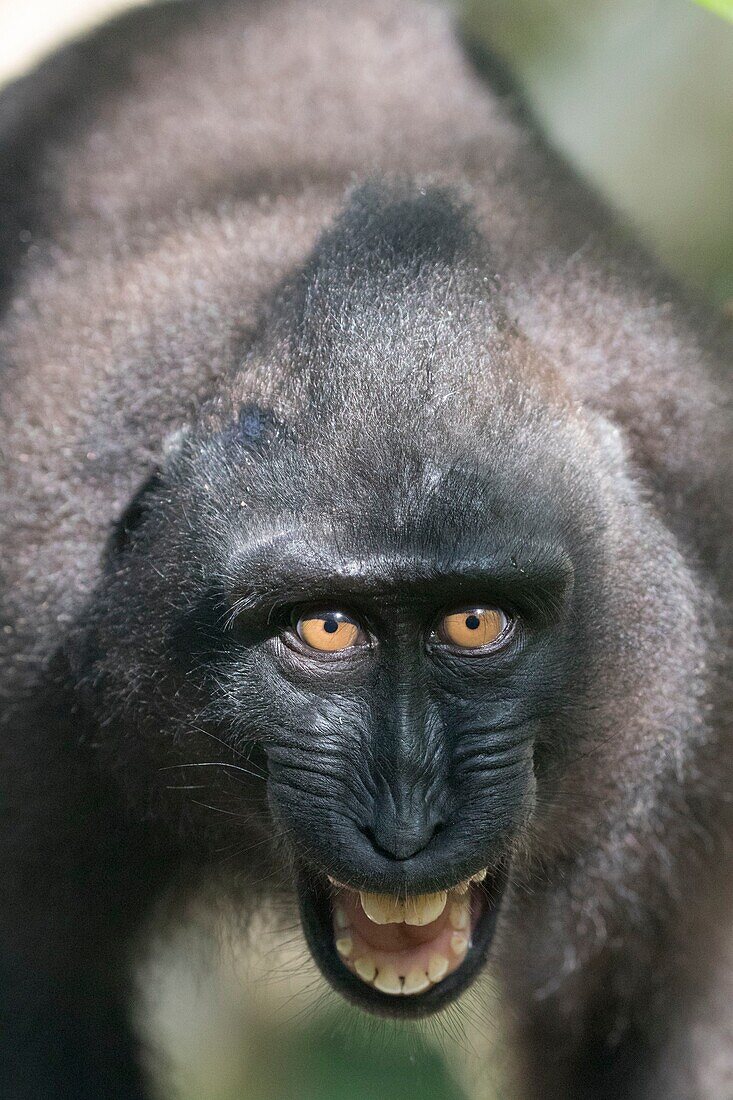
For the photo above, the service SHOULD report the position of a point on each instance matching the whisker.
(214, 764)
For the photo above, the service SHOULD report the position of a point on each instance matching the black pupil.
(330, 625)
(473, 622)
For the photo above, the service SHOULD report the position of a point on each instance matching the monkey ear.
(133, 515)
(174, 442)
(142, 499)
(611, 439)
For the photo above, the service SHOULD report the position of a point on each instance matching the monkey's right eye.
(330, 631)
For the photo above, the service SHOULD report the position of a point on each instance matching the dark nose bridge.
(408, 760)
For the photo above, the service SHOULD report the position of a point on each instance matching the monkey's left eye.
(330, 631)
(474, 627)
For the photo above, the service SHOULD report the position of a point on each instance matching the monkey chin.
(404, 958)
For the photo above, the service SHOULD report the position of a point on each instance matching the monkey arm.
(79, 881)
(63, 1036)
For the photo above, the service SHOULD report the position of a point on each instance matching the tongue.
(400, 958)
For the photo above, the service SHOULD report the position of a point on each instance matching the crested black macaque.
(364, 524)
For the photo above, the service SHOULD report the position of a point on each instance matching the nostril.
(401, 841)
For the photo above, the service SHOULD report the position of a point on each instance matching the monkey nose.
(401, 835)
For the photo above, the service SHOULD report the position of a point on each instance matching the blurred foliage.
(323, 1061)
(639, 95)
(720, 7)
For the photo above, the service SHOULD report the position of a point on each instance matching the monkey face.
(403, 762)
(371, 663)
(399, 748)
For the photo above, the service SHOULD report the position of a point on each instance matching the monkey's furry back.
(160, 178)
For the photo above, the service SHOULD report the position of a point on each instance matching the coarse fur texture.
(296, 309)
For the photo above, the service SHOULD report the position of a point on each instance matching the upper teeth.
(383, 909)
(419, 910)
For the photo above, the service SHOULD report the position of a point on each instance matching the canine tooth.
(382, 909)
(479, 876)
(344, 946)
(365, 968)
(459, 944)
(339, 918)
(387, 980)
(462, 887)
(437, 968)
(416, 981)
(425, 909)
(459, 915)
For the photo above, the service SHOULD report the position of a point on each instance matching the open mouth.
(403, 957)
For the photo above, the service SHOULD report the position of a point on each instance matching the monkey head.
(368, 620)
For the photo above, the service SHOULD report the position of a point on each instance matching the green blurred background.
(639, 95)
